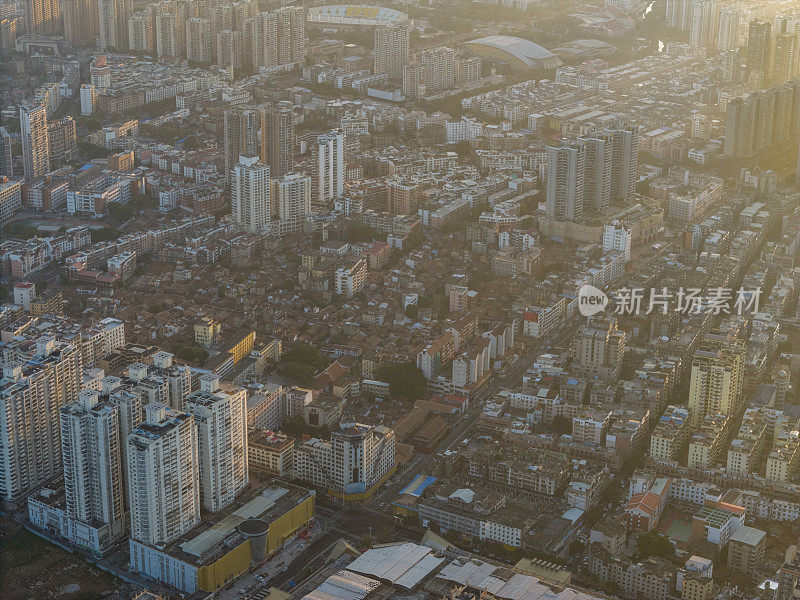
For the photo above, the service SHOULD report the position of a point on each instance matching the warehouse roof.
(404, 564)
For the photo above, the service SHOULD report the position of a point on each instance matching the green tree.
(385, 534)
(120, 212)
(192, 353)
(405, 380)
(103, 234)
(561, 425)
(653, 543)
(576, 547)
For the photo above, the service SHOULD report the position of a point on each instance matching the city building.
(278, 140)
(90, 442)
(328, 167)
(716, 379)
(222, 439)
(599, 348)
(291, 198)
(351, 466)
(746, 549)
(250, 194)
(163, 476)
(10, 198)
(35, 141)
(80, 22)
(43, 17)
(391, 51)
(32, 393)
(270, 452)
(214, 553)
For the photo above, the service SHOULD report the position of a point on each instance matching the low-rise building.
(270, 452)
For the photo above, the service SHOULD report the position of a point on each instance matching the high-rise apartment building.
(739, 122)
(62, 137)
(599, 348)
(10, 29)
(35, 142)
(31, 396)
(700, 23)
(130, 413)
(93, 484)
(250, 194)
(198, 40)
(43, 17)
(438, 69)
(391, 51)
(678, 13)
(241, 133)
(80, 22)
(291, 41)
(112, 19)
(277, 37)
(564, 185)
(597, 172)
(222, 441)
(757, 121)
(278, 140)
(291, 197)
(6, 158)
(328, 167)
(163, 476)
(759, 47)
(141, 31)
(230, 49)
(728, 30)
(784, 64)
(717, 379)
(168, 37)
(624, 160)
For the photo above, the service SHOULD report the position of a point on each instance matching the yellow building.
(697, 587)
(242, 348)
(717, 378)
(218, 551)
(206, 332)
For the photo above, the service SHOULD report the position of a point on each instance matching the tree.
(576, 547)
(561, 425)
(192, 353)
(104, 234)
(405, 380)
(385, 534)
(464, 149)
(412, 311)
(653, 543)
(120, 212)
(300, 363)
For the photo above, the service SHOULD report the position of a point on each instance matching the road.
(512, 378)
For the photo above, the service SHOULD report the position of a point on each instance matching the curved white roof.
(525, 50)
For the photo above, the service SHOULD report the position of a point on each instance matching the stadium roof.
(355, 14)
(523, 51)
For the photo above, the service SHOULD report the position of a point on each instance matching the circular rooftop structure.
(517, 52)
(354, 15)
(253, 527)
